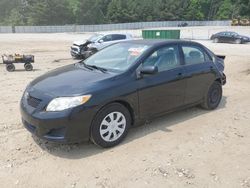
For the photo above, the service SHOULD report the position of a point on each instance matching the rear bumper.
(224, 79)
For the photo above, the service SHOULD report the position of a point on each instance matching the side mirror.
(101, 41)
(149, 70)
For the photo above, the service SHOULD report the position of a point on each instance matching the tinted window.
(119, 37)
(233, 34)
(165, 58)
(107, 38)
(193, 55)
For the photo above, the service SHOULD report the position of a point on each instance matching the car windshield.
(95, 37)
(118, 57)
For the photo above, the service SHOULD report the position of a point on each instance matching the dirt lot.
(189, 148)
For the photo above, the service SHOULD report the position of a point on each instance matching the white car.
(84, 49)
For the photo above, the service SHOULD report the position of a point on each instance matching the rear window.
(119, 37)
(193, 55)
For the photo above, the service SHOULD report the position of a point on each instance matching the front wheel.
(111, 125)
(10, 67)
(213, 97)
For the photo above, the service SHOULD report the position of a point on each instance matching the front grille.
(34, 102)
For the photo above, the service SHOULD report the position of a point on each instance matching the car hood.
(243, 36)
(79, 42)
(69, 80)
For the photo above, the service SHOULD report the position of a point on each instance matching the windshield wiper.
(97, 68)
(85, 65)
(92, 67)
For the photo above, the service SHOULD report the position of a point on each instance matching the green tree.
(244, 8)
(193, 11)
(225, 10)
(49, 12)
(6, 7)
(90, 12)
(61, 12)
(15, 18)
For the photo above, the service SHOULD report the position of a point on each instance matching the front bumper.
(83, 55)
(75, 52)
(69, 126)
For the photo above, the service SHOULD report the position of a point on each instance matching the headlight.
(63, 103)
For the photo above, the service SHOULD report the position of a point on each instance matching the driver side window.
(165, 58)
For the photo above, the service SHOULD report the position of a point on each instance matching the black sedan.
(121, 86)
(229, 37)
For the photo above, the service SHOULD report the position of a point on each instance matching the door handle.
(179, 75)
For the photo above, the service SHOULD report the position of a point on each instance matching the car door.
(222, 37)
(164, 90)
(233, 37)
(228, 37)
(200, 72)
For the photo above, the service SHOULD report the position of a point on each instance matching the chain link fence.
(107, 27)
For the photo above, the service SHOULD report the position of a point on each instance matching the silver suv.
(84, 49)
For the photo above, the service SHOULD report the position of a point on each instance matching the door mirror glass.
(149, 70)
(101, 41)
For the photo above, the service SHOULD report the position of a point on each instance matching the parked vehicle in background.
(84, 49)
(229, 37)
(185, 24)
(123, 85)
(240, 22)
(10, 60)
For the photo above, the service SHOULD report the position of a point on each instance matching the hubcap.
(113, 126)
(215, 96)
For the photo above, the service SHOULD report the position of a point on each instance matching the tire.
(213, 97)
(216, 40)
(106, 132)
(238, 41)
(10, 67)
(28, 67)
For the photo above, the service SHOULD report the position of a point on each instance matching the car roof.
(226, 32)
(113, 34)
(158, 42)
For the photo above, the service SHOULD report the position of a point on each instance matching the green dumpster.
(161, 34)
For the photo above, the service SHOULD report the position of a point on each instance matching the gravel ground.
(189, 148)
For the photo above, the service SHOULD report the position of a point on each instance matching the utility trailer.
(10, 60)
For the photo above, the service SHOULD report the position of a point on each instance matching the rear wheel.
(10, 67)
(28, 67)
(213, 96)
(111, 125)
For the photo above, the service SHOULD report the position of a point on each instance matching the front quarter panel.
(123, 89)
